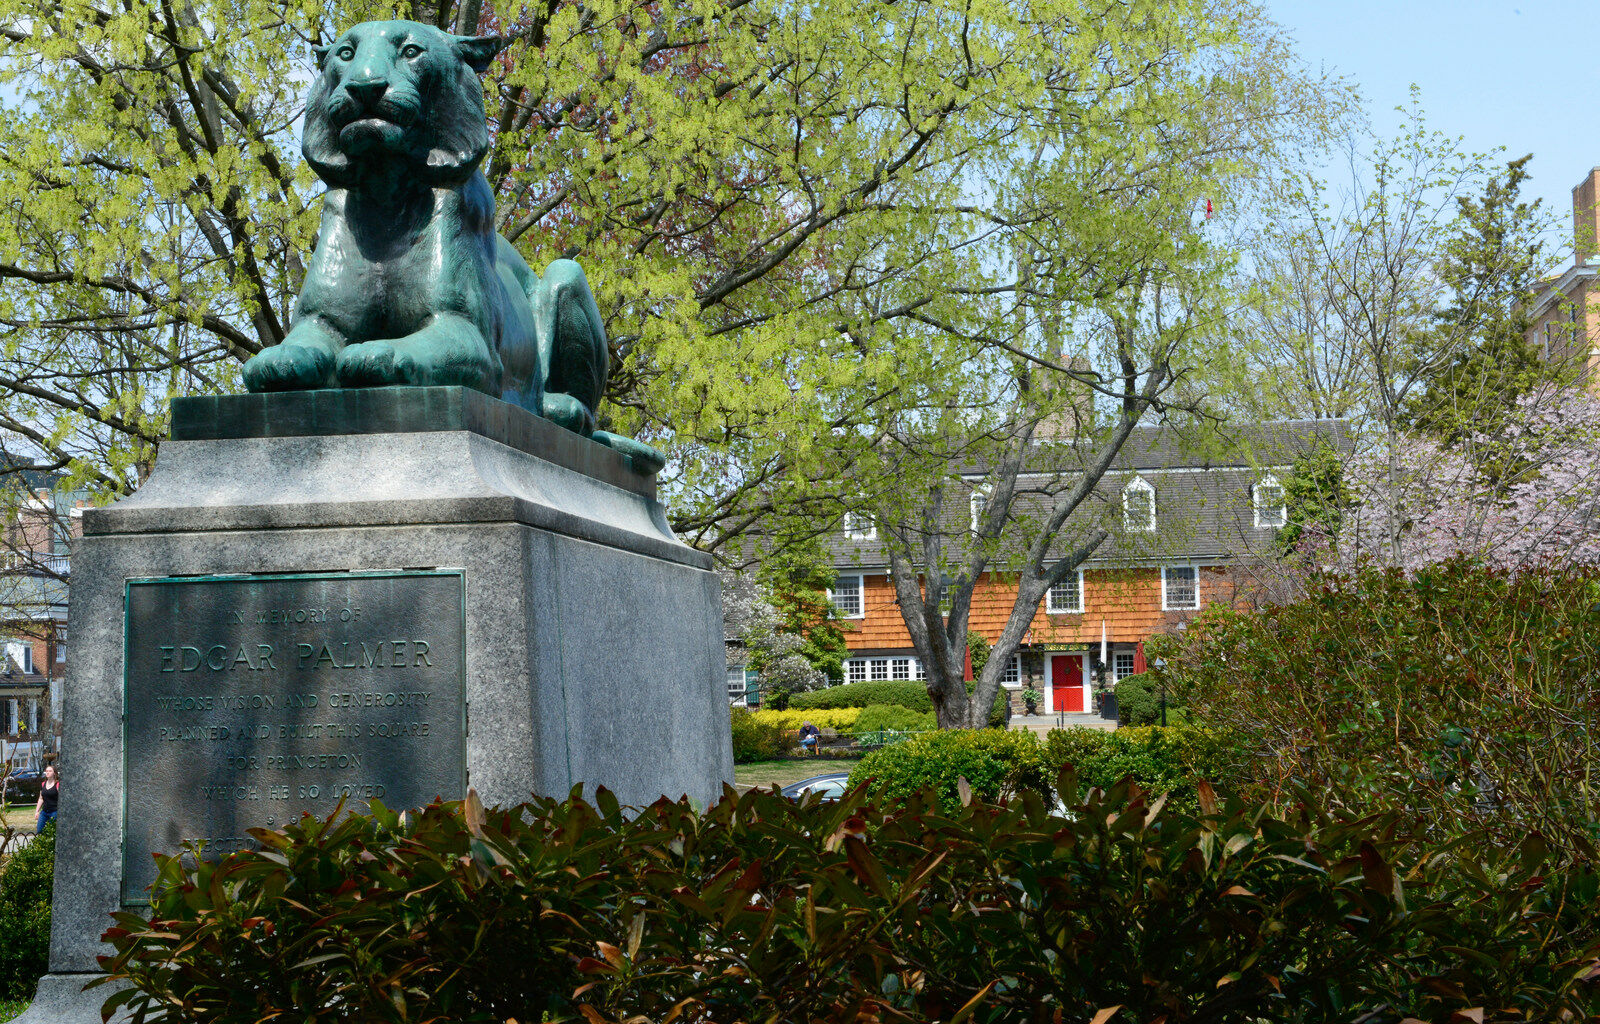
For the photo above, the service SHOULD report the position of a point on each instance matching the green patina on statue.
(410, 283)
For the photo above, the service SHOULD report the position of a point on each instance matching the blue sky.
(1522, 74)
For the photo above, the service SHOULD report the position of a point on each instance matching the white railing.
(36, 561)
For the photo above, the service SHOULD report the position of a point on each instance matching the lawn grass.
(10, 1008)
(20, 816)
(765, 773)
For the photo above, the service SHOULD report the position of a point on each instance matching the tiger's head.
(398, 91)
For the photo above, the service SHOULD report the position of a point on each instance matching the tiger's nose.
(367, 92)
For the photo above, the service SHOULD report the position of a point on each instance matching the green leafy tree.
(1104, 309)
(1492, 266)
(795, 580)
(1315, 496)
(796, 217)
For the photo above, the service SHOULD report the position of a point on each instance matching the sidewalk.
(1042, 724)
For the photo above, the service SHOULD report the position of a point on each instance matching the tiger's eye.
(411, 51)
(345, 53)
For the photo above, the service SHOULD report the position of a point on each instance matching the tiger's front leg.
(303, 361)
(450, 349)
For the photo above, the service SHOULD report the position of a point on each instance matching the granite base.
(579, 602)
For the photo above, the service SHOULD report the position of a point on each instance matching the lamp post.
(1160, 664)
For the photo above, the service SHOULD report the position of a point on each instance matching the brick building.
(1187, 530)
(35, 566)
(1565, 322)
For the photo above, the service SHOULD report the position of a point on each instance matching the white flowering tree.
(1528, 494)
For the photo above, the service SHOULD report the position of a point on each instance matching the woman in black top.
(49, 796)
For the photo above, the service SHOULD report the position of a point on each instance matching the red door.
(1066, 678)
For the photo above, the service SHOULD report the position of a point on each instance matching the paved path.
(1042, 724)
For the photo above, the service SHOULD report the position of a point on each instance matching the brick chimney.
(1586, 218)
(1078, 413)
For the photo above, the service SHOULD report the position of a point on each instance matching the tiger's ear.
(478, 52)
(456, 134)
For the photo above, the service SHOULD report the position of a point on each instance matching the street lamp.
(1161, 664)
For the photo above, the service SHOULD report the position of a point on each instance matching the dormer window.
(1271, 507)
(1139, 506)
(859, 526)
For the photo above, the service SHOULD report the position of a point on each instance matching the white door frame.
(1050, 678)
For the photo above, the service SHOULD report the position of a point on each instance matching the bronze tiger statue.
(410, 283)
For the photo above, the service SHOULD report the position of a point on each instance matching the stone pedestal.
(585, 647)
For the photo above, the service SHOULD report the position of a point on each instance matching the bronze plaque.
(250, 700)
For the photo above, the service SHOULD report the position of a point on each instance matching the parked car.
(21, 786)
(831, 786)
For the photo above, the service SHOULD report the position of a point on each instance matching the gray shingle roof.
(1204, 508)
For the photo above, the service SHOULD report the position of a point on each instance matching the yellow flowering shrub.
(822, 718)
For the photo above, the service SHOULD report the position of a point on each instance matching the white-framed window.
(1180, 588)
(979, 504)
(1066, 596)
(859, 670)
(20, 654)
(1139, 505)
(859, 526)
(1122, 664)
(736, 684)
(61, 646)
(1012, 676)
(1271, 506)
(847, 596)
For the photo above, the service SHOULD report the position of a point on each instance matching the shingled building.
(1188, 529)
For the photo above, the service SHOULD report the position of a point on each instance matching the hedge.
(1171, 760)
(994, 763)
(904, 693)
(840, 719)
(765, 909)
(26, 882)
(879, 717)
(1138, 702)
(1458, 694)
(911, 695)
(754, 740)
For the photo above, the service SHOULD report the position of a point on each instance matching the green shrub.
(1000, 711)
(26, 881)
(878, 717)
(994, 763)
(565, 912)
(1460, 695)
(906, 694)
(1171, 760)
(755, 740)
(1138, 702)
(827, 718)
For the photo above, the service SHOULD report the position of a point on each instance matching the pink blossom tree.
(1529, 493)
